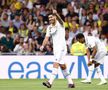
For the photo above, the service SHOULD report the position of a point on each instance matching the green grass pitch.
(36, 84)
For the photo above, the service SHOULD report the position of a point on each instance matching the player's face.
(82, 40)
(51, 19)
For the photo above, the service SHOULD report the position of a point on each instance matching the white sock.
(91, 68)
(99, 72)
(53, 75)
(68, 77)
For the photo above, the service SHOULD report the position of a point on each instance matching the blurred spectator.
(31, 22)
(71, 11)
(95, 29)
(2, 32)
(26, 49)
(40, 23)
(17, 39)
(90, 18)
(12, 28)
(19, 47)
(68, 40)
(39, 38)
(7, 41)
(17, 22)
(83, 17)
(4, 20)
(74, 30)
(87, 29)
(104, 40)
(25, 15)
(23, 30)
(29, 19)
(49, 50)
(3, 49)
(32, 33)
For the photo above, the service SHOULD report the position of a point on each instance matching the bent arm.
(94, 51)
(58, 17)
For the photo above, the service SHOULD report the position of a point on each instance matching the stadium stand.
(28, 19)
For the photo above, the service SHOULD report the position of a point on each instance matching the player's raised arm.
(58, 17)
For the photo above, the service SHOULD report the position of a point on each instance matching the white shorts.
(99, 57)
(59, 56)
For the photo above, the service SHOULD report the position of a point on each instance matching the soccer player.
(56, 30)
(98, 53)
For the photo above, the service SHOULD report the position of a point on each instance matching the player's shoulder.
(91, 38)
(59, 24)
(49, 27)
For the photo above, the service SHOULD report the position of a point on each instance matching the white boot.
(86, 81)
(102, 83)
(99, 72)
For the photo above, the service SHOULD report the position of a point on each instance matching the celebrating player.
(56, 30)
(98, 53)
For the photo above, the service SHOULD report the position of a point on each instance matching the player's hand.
(54, 11)
(90, 63)
(41, 48)
(92, 57)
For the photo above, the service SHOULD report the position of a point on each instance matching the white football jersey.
(57, 33)
(92, 41)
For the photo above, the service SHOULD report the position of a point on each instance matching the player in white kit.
(56, 30)
(98, 53)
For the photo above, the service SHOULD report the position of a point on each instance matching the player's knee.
(97, 64)
(63, 66)
(55, 65)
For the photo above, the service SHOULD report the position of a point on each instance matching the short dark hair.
(90, 13)
(51, 14)
(79, 36)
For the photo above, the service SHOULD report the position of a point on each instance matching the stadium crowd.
(23, 24)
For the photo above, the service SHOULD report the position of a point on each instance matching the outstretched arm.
(58, 17)
(94, 52)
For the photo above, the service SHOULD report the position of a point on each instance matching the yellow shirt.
(99, 23)
(18, 5)
(78, 49)
(24, 33)
(69, 25)
(11, 30)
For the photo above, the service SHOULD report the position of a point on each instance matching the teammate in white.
(98, 53)
(56, 30)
